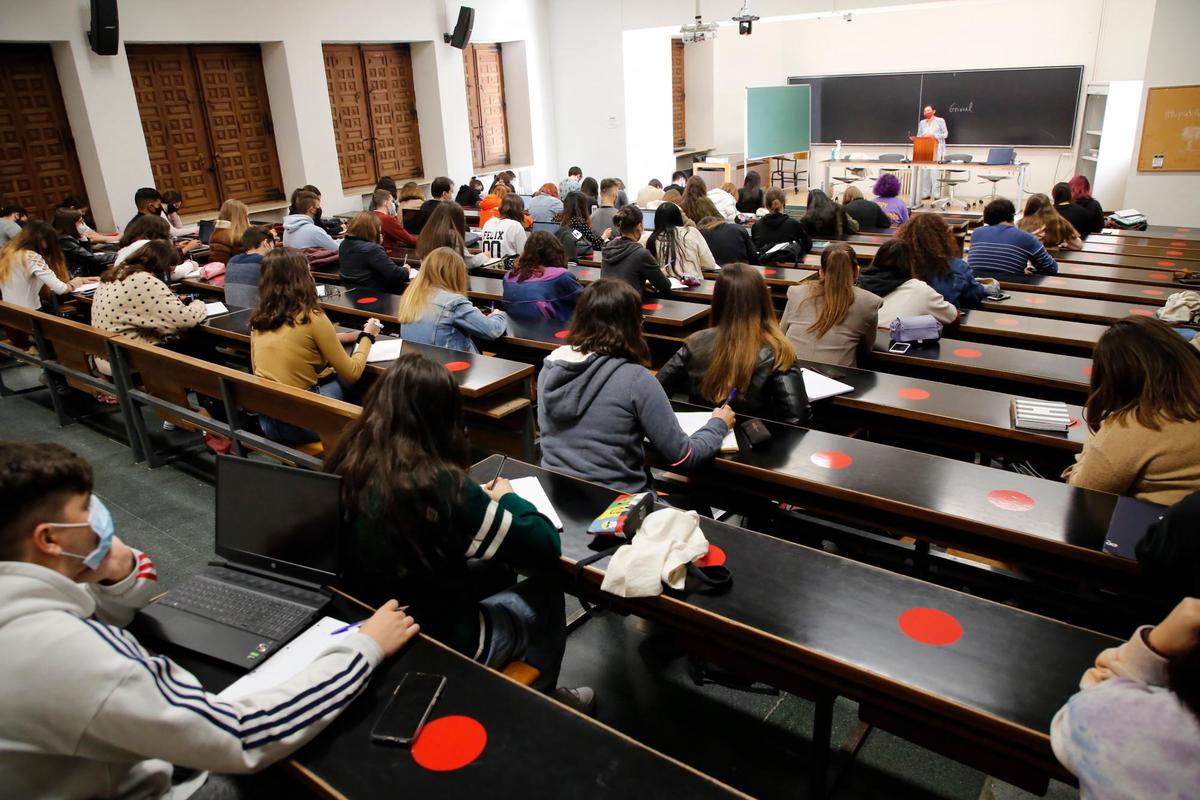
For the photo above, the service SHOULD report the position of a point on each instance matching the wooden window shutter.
(392, 103)
(678, 106)
(351, 121)
(486, 107)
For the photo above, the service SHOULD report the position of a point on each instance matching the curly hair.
(932, 245)
(542, 250)
(886, 185)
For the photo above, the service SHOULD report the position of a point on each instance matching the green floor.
(755, 742)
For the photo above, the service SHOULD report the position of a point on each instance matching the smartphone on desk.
(899, 347)
(409, 709)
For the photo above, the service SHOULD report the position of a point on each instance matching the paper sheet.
(216, 308)
(87, 288)
(384, 350)
(320, 290)
(530, 488)
(692, 421)
(820, 386)
(288, 662)
(677, 284)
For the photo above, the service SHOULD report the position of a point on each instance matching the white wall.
(698, 77)
(1169, 198)
(649, 123)
(103, 110)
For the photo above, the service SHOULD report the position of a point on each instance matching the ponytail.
(835, 287)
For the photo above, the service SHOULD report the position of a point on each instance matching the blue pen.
(732, 393)
(346, 628)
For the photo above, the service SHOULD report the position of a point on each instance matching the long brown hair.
(608, 321)
(839, 269)
(146, 226)
(286, 292)
(38, 237)
(932, 245)
(542, 249)
(1144, 368)
(156, 257)
(446, 227)
(745, 320)
(444, 268)
(393, 460)
(66, 222)
(365, 225)
(1041, 215)
(694, 191)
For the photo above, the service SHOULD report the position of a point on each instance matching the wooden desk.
(1149, 263)
(1179, 249)
(816, 623)
(1077, 309)
(1143, 277)
(587, 274)
(1153, 234)
(992, 365)
(982, 324)
(533, 744)
(1082, 287)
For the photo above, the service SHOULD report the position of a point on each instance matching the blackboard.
(1033, 107)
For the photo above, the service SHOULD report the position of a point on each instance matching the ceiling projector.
(745, 20)
(698, 31)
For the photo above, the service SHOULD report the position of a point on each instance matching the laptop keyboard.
(238, 607)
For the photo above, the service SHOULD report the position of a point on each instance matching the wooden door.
(38, 164)
(392, 100)
(486, 106)
(351, 120)
(678, 113)
(172, 112)
(239, 121)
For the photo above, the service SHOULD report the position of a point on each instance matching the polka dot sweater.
(144, 308)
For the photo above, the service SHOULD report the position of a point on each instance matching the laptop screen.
(279, 519)
(548, 227)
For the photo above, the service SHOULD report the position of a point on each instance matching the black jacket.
(749, 202)
(1095, 216)
(1170, 551)
(775, 395)
(775, 228)
(366, 265)
(869, 215)
(730, 244)
(879, 282)
(628, 260)
(81, 261)
(418, 220)
(1083, 217)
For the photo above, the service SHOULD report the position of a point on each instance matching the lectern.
(924, 148)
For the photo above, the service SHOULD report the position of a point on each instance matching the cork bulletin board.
(1171, 130)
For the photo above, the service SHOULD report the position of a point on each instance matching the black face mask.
(317, 214)
(172, 209)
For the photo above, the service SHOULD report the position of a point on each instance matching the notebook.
(384, 350)
(821, 386)
(1039, 415)
(87, 288)
(530, 488)
(1130, 520)
(692, 421)
(216, 308)
(289, 661)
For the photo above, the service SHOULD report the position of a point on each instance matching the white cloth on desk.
(667, 541)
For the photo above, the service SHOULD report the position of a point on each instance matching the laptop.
(278, 531)
(205, 229)
(548, 227)
(999, 156)
(1130, 522)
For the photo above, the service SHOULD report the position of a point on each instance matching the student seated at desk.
(750, 196)
(571, 183)
(1133, 730)
(447, 227)
(33, 260)
(890, 276)
(1001, 250)
(412, 196)
(489, 206)
(148, 228)
(76, 251)
(546, 204)
(601, 219)
(85, 711)
(470, 194)
(776, 227)
(590, 188)
(86, 233)
(172, 204)
(625, 259)
(575, 222)
(226, 240)
(435, 309)
(1042, 220)
(243, 271)
(678, 181)
(12, 219)
(300, 229)
(1143, 414)
(148, 202)
(679, 249)
(1079, 216)
(504, 236)
(936, 261)
(825, 219)
(650, 194)
(539, 286)
(294, 343)
(362, 261)
(414, 518)
(395, 237)
(744, 350)
(1081, 195)
(440, 191)
(724, 199)
(870, 216)
(728, 242)
(887, 189)
(695, 203)
(597, 401)
(830, 319)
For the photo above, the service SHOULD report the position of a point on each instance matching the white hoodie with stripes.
(85, 711)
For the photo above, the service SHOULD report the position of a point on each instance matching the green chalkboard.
(777, 120)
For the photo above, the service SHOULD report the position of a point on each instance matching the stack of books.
(1040, 415)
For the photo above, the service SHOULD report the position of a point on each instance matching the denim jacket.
(451, 321)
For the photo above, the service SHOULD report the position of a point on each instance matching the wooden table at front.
(820, 625)
(1055, 376)
(500, 738)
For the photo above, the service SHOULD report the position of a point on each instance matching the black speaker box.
(462, 28)
(104, 34)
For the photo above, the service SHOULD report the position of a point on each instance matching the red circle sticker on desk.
(831, 459)
(968, 352)
(913, 394)
(584, 272)
(1010, 500)
(362, 301)
(652, 306)
(715, 557)
(449, 743)
(930, 626)
(457, 366)
(1141, 312)
(1007, 321)
(562, 334)
(1166, 263)
(1159, 276)
(1153, 292)
(769, 271)
(1178, 244)
(1174, 252)
(1037, 301)
(1086, 371)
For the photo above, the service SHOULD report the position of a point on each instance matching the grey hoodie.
(594, 411)
(86, 712)
(300, 231)
(631, 262)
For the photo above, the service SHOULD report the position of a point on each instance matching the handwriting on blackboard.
(967, 109)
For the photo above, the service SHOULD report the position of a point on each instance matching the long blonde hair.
(237, 215)
(40, 238)
(441, 269)
(839, 267)
(745, 321)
